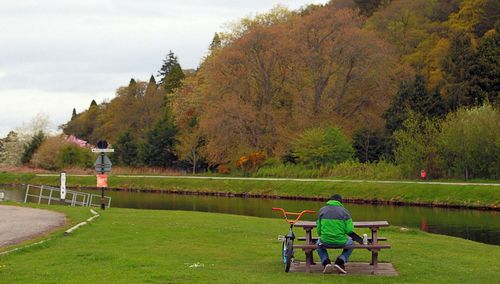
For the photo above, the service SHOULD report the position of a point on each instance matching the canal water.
(476, 225)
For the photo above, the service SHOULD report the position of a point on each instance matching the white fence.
(51, 194)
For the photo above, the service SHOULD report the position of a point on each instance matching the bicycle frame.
(287, 251)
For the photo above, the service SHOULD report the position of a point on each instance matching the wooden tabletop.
(361, 224)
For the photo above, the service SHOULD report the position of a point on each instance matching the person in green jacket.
(335, 230)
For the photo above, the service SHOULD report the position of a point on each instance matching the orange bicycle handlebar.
(299, 215)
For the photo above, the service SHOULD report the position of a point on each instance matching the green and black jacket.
(334, 223)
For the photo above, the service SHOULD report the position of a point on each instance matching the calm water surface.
(476, 225)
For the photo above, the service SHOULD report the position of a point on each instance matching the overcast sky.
(59, 55)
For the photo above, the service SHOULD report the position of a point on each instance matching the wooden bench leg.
(311, 257)
(374, 261)
(308, 261)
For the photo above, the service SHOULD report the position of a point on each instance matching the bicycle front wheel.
(287, 253)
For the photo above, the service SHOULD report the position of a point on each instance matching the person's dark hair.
(337, 197)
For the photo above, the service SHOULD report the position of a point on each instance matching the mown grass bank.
(471, 196)
(149, 246)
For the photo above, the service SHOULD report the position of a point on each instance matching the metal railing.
(45, 192)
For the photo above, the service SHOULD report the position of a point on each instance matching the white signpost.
(63, 185)
(96, 150)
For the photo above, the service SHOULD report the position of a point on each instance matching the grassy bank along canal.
(445, 195)
(136, 246)
(477, 225)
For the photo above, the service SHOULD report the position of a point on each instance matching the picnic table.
(374, 246)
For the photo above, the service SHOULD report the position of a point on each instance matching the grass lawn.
(435, 194)
(149, 246)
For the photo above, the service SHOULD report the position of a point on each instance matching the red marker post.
(423, 174)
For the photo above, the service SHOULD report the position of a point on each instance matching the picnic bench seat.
(314, 239)
(374, 247)
(353, 246)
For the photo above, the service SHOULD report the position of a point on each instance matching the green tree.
(456, 67)
(417, 147)
(133, 89)
(368, 7)
(323, 146)
(93, 103)
(170, 73)
(470, 142)
(73, 114)
(173, 80)
(126, 151)
(486, 70)
(413, 97)
(372, 145)
(152, 86)
(158, 147)
(31, 147)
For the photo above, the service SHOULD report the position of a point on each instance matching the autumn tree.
(187, 107)
(246, 99)
(339, 62)
(47, 155)
(216, 42)
(476, 16)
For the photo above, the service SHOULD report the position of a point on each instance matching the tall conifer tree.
(126, 151)
(158, 147)
(170, 73)
(413, 97)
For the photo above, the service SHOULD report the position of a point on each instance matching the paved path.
(297, 179)
(18, 224)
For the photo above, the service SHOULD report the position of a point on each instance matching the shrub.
(251, 162)
(348, 169)
(319, 146)
(75, 156)
(223, 169)
(55, 153)
(46, 157)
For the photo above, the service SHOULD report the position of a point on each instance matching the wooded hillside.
(361, 67)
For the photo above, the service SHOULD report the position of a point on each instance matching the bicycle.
(287, 246)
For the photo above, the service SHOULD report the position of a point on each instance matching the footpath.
(18, 224)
